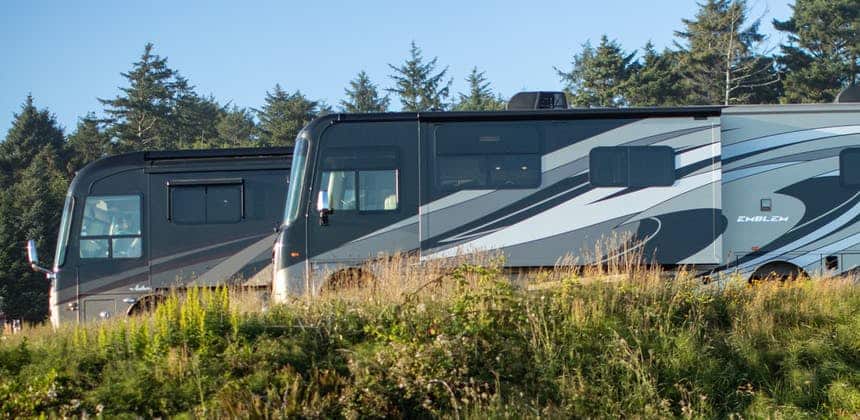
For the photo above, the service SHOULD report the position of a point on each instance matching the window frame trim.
(627, 183)
(110, 238)
(205, 183)
(398, 165)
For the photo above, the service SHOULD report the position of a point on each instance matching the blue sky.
(68, 53)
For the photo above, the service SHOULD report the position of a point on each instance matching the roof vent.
(537, 100)
(851, 94)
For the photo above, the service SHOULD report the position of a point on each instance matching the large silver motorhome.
(749, 189)
(137, 224)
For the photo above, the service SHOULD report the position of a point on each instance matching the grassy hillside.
(469, 344)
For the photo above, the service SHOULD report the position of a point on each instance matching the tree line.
(719, 56)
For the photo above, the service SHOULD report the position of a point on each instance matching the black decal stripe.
(505, 217)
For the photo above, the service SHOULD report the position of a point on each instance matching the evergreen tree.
(88, 143)
(32, 130)
(418, 85)
(821, 56)
(140, 116)
(236, 128)
(193, 119)
(598, 76)
(31, 198)
(283, 115)
(721, 58)
(654, 80)
(362, 96)
(480, 96)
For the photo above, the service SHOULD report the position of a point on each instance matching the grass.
(460, 340)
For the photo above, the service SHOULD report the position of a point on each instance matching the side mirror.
(322, 201)
(33, 258)
(32, 253)
(323, 207)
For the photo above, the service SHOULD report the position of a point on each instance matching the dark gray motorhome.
(139, 223)
(744, 188)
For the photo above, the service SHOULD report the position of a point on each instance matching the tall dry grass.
(461, 338)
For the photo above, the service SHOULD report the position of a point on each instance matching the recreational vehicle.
(748, 189)
(137, 224)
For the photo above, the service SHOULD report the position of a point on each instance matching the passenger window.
(377, 190)
(486, 156)
(111, 227)
(366, 180)
(632, 166)
(340, 188)
(206, 204)
(849, 167)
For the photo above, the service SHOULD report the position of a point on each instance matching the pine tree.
(480, 96)
(88, 143)
(418, 85)
(822, 53)
(721, 58)
(654, 79)
(599, 75)
(32, 129)
(236, 128)
(140, 116)
(283, 115)
(363, 96)
(193, 119)
(31, 196)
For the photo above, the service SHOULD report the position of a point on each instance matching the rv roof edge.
(215, 153)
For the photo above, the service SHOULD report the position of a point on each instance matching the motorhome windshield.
(297, 177)
(63, 237)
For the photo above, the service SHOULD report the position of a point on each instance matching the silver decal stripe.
(574, 214)
(813, 257)
(761, 143)
(403, 223)
(230, 266)
(172, 257)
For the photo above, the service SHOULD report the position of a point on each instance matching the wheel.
(350, 278)
(777, 270)
(145, 304)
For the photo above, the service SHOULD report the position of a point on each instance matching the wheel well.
(781, 270)
(348, 278)
(145, 304)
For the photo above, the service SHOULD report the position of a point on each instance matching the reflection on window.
(126, 247)
(94, 248)
(340, 188)
(111, 227)
(377, 189)
(461, 172)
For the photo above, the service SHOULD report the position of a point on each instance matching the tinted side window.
(223, 203)
(849, 167)
(366, 179)
(486, 156)
(632, 166)
(188, 204)
(607, 167)
(206, 204)
(652, 166)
